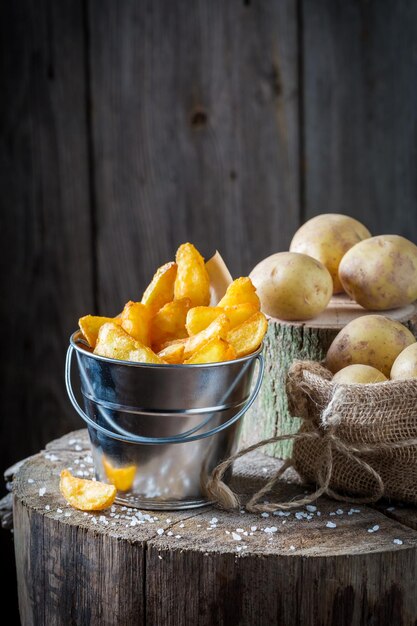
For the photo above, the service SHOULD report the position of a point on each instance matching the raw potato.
(214, 351)
(91, 324)
(114, 343)
(381, 273)
(169, 323)
(121, 477)
(192, 279)
(84, 494)
(240, 291)
(292, 286)
(359, 374)
(136, 321)
(369, 340)
(405, 365)
(173, 353)
(218, 329)
(161, 289)
(199, 317)
(327, 238)
(247, 337)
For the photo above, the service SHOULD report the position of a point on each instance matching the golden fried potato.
(192, 279)
(199, 317)
(121, 477)
(91, 324)
(247, 337)
(161, 289)
(239, 292)
(84, 494)
(169, 323)
(136, 321)
(218, 329)
(173, 353)
(114, 342)
(214, 351)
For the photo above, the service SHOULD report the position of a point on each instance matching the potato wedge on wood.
(84, 494)
(136, 321)
(199, 317)
(214, 351)
(247, 337)
(218, 329)
(173, 353)
(161, 289)
(114, 342)
(91, 324)
(240, 291)
(121, 477)
(169, 323)
(192, 279)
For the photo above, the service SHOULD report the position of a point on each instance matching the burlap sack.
(356, 443)
(367, 432)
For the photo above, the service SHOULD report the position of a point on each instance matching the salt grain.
(42, 491)
(253, 528)
(236, 537)
(390, 508)
(181, 525)
(398, 542)
(311, 508)
(47, 507)
(331, 525)
(59, 510)
(339, 512)
(373, 529)
(78, 448)
(214, 520)
(168, 520)
(239, 530)
(292, 547)
(30, 480)
(265, 514)
(160, 531)
(177, 536)
(170, 533)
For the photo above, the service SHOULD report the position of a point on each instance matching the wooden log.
(206, 566)
(286, 342)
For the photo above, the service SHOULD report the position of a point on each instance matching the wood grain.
(360, 111)
(191, 100)
(305, 572)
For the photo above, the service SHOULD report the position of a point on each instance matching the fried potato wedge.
(247, 337)
(218, 329)
(136, 321)
(84, 494)
(199, 317)
(121, 477)
(161, 289)
(213, 351)
(114, 342)
(169, 323)
(91, 324)
(240, 291)
(173, 353)
(192, 279)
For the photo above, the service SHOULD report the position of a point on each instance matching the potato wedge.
(169, 323)
(173, 353)
(192, 279)
(199, 317)
(91, 324)
(84, 494)
(240, 291)
(218, 329)
(121, 477)
(247, 337)
(214, 351)
(161, 289)
(114, 342)
(136, 321)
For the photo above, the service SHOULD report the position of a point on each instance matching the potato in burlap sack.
(366, 441)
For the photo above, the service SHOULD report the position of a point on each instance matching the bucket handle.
(158, 440)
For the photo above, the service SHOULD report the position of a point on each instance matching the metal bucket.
(165, 426)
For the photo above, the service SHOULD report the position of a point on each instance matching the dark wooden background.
(129, 127)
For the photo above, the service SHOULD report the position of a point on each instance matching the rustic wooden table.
(327, 564)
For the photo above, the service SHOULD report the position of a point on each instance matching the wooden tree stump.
(205, 567)
(286, 342)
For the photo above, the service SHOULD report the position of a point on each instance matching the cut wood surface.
(333, 564)
(286, 342)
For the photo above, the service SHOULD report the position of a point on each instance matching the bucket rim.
(83, 349)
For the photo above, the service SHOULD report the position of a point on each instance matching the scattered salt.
(177, 536)
(239, 530)
(265, 514)
(311, 508)
(236, 537)
(272, 529)
(59, 510)
(47, 507)
(160, 531)
(72, 441)
(292, 547)
(42, 491)
(373, 529)
(181, 525)
(331, 525)
(398, 542)
(253, 528)
(78, 448)
(30, 480)
(214, 520)
(168, 520)
(170, 533)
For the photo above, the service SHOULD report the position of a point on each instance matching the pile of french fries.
(173, 323)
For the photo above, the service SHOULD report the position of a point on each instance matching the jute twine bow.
(326, 431)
